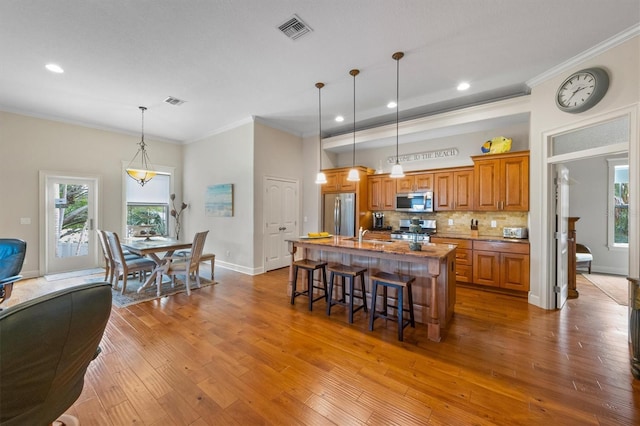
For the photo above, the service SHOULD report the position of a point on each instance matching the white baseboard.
(239, 268)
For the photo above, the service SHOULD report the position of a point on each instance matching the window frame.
(612, 163)
(160, 169)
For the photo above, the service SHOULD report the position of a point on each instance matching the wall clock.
(582, 90)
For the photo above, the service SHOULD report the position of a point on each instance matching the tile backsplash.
(462, 220)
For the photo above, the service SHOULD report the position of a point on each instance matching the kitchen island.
(434, 291)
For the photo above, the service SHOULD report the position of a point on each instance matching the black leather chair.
(12, 252)
(46, 345)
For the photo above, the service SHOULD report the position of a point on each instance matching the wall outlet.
(450, 222)
(228, 253)
(493, 224)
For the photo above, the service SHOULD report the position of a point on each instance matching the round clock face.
(582, 90)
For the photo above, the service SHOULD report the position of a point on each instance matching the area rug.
(73, 274)
(614, 286)
(132, 297)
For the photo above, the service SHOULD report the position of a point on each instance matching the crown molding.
(596, 50)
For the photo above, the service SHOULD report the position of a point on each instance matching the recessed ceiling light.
(339, 119)
(463, 86)
(54, 68)
(392, 104)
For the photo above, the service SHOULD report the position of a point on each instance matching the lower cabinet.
(464, 258)
(501, 264)
(494, 264)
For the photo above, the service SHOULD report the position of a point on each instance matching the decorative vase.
(415, 246)
(416, 229)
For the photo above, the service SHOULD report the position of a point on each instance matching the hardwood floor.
(238, 353)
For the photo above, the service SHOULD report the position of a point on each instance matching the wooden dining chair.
(186, 265)
(123, 266)
(110, 266)
(108, 258)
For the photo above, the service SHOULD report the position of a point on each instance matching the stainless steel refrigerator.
(339, 214)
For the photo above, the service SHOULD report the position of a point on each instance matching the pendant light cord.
(397, 56)
(320, 86)
(354, 72)
(397, 106)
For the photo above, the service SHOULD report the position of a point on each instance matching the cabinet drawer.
(520, 248)
(460, 242)
(464, 257)
(464, 273)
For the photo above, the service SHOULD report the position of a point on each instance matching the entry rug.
(132, 297)
(614, 286)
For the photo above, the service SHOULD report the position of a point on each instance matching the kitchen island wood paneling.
(434, 292)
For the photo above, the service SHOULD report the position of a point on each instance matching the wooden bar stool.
(348, 274)
(310, 266)
(399, 282)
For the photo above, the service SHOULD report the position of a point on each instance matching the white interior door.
(562, 234)
(70, 206)
(281, 224)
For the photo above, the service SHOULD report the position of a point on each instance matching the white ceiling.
(228, 60)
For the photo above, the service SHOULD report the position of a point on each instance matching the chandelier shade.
(396, 170)
(321, 178)
(142, 171)
(353, 175)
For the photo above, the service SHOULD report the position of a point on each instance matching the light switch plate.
(493, 224)
(25, 221)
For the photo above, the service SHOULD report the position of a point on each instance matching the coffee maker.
(378, 220)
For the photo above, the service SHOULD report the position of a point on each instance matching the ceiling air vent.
(174, 101)
(294, 28)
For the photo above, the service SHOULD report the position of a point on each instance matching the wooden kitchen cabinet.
(464, 257)
(415, 183)
(453, 190)
(502, 182)
(501, 264)
(382, 192)
(337, 180)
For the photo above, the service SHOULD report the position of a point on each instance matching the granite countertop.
(379, 246)
(465, 236)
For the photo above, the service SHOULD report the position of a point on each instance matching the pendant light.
(144, 173)
(353, 175)
(396, 170)
(320, 177)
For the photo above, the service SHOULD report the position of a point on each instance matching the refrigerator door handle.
(336, 216)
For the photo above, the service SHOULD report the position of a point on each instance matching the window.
(618, 203)
(149, 204)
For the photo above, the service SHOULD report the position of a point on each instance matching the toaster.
(519, 232)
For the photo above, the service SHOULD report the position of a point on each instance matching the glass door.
(70, 219)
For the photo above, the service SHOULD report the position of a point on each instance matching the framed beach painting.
(219, 200)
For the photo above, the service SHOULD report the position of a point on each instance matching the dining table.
(152, 248)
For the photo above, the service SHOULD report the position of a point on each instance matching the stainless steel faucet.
(361, 234)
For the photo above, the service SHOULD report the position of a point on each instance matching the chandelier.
(144, 173)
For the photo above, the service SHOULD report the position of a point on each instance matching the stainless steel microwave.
(419, 202)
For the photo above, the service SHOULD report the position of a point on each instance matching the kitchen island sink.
(371, 240)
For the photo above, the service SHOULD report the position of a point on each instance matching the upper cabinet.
(502, 182)
(415, 183)
(453, 190)
(382, 192)
(337, 180)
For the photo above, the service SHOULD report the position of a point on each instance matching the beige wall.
(28, 145)
(227, 157)
(278, 154)
(467, 144)
(622, 64)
